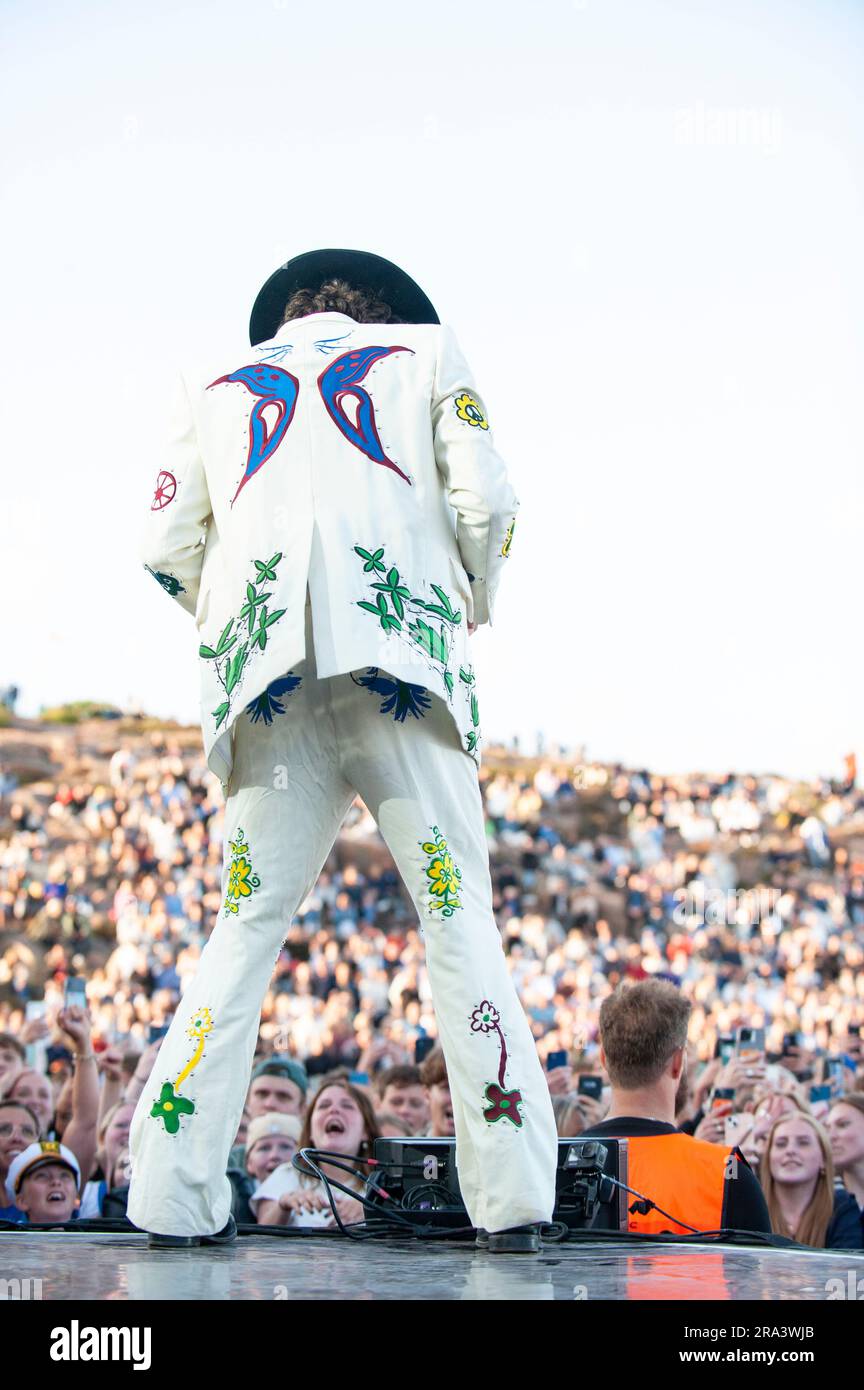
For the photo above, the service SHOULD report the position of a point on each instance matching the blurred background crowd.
(745, 892)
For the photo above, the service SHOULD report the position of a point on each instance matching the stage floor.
(92, 1266)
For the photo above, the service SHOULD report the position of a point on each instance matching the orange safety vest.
(684, 1176)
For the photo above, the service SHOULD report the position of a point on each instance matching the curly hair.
(340, 297)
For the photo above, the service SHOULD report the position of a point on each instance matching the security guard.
(678, 1184)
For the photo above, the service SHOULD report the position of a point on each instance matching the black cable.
(390, 1225)
(338, 1161)
(586, 1235)
(652, 1205)
(388, 1214)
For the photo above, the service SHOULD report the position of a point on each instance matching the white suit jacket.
(355, 458)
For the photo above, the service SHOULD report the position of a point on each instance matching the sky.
(642, 218)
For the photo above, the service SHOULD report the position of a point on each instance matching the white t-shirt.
(91, 1200)
(285, 1178)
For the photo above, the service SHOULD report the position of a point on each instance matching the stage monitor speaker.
(420, 1179)
(587, 1192)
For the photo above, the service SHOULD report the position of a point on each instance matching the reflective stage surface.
(92, 1266)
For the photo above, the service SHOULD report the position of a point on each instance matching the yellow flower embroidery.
(467, 409)
(444, 877)
(241, 880)
(237, 879)
(202, 1023)
(505, 549)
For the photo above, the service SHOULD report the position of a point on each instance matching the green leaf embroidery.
(267, 568)
(260, 637)
(396, 591)
(374, 562)
(235, 666)
(433, 643)
(224, 645)
(249, 611)
(444, 609)
(220, 713)
(254, 610)
(381, 612)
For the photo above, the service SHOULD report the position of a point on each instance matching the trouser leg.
(423, 791)
(286, 803)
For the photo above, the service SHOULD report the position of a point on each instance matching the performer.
(333, 512)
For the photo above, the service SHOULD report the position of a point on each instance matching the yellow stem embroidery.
(200, 1026)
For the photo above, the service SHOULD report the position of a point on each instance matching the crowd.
(744, 893)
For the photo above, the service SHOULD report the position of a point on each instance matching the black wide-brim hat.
(362, 269)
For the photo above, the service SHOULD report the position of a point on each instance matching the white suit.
(357, 518)
(332, 439)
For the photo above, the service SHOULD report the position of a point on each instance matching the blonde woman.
(845, 1125)
(798, 1181)
(768, 1107)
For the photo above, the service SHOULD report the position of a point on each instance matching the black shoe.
(226, 1236)
(515, 1240)
(481, 1239)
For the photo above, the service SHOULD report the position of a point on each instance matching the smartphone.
(556, 1059)
(722, 1099)
(590, 1086)
(734, 1126)
(154, 1034)
(422, 1047)
(36, 1052)
(75, 992)
(835, 1073)
(750, 1044)
(358, 1078)
(792, 1042)
(727, 1049)
(819, 1093)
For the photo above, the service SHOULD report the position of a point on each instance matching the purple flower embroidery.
(502, 1104)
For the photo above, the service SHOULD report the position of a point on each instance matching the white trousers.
(297, 767)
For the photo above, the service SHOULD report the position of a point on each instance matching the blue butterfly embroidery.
(400, 697)
(265, 705)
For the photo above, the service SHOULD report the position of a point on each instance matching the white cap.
(36, 1156)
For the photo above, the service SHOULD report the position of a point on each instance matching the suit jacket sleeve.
(172, 542)
(475, 476)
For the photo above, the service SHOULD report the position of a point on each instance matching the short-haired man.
(400, 1091)
(278, 1086)
(688, 1185)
